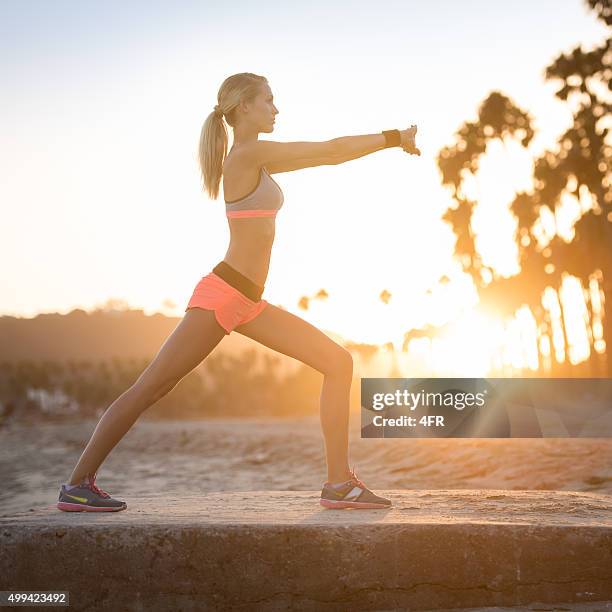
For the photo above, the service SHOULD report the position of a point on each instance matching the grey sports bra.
(264, 201)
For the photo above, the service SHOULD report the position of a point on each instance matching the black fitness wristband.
(393, 138)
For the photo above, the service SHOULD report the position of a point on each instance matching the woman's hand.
(408, 140)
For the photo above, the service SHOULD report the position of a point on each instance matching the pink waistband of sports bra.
(232, 214)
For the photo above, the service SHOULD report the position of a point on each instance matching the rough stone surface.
(279, 550)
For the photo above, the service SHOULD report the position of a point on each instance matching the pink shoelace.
(355, 479)
(94, 488)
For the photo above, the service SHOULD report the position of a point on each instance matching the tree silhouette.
(581, 163)
(304, 301)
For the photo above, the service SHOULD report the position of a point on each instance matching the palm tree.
(583, 160)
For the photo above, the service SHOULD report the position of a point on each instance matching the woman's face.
(261, 111)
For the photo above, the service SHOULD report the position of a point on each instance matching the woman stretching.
(229, 298)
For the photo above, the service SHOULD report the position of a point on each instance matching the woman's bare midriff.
(251, 238)
(250, 247)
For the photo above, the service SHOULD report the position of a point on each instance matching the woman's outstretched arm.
(261, 153)
(352, 147)
(288, 156)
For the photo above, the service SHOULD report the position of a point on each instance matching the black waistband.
(237, 280)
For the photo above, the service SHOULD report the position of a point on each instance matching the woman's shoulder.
(236, 164)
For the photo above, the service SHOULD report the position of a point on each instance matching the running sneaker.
(87, 497)
(351, 494)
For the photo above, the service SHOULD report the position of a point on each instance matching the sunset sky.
(102, 105)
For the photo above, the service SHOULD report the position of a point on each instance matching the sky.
(102, 106)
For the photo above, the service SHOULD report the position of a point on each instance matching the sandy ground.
(265, 454)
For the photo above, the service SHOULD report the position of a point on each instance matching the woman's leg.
(194, 338)
(287, 333)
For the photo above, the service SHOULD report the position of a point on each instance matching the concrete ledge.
(278, 550)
